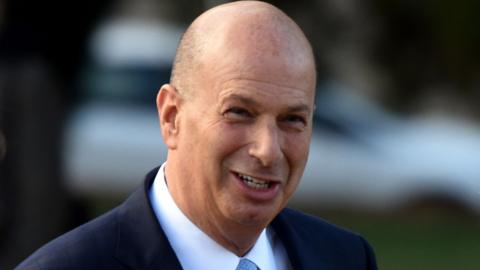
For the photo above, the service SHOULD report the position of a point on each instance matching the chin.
(254, 215)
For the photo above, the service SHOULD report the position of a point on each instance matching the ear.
(168, 106)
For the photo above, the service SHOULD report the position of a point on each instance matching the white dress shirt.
(196, 250)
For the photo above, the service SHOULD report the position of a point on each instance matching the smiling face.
(247, 141)
(241, 140)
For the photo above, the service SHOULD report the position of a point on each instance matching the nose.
(266, 146)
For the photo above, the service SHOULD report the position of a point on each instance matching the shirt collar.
(194, 248)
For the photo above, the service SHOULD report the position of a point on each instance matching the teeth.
(254, 183)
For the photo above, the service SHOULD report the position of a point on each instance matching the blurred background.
(396, 146)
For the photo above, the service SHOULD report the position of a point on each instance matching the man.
(237, 120)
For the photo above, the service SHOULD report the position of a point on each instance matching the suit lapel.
(141, 242)
(297, 244)
(287, 236)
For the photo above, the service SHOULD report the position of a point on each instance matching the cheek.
(296, 150)
(221, 143)
(229, 137)
(296, 153)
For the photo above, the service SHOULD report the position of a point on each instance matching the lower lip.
(258, 194)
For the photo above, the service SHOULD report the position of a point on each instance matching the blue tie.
(246, 264)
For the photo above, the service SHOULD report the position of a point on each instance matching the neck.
(239, 239)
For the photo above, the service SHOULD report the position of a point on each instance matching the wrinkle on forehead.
(252, 92)
(246, 83)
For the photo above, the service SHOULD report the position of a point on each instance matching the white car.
(364, 157)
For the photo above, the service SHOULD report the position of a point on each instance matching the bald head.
(252, 29)
(240, 100)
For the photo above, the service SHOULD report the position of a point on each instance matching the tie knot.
(246, 264)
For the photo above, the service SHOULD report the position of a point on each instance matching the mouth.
(259, 189)
(254, 183)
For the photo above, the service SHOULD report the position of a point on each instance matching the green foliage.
(439, 241)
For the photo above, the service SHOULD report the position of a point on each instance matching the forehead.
(255, 92)
(264, 87)
(257, 77)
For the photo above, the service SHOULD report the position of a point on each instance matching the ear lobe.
(168, 105)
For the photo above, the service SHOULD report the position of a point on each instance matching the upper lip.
(264, 178)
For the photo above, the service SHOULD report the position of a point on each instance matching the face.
(245, 136)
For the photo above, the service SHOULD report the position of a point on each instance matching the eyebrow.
(252, 102)
(243, 99)
(299, 108)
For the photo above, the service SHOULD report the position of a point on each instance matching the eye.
(295, 121)
(237, 113)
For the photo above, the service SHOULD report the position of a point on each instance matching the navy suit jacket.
(130, 237)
